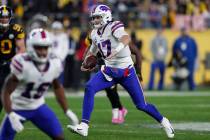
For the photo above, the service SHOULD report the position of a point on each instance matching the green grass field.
(189, 114)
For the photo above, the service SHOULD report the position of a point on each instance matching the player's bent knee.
(141, 107)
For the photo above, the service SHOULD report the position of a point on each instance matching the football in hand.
(90, 62)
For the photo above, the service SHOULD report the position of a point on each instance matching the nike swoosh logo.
(79, 129)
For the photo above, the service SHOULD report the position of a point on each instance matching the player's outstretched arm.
(59, 93)
(60, 96)
(20, 38)
(14, 118)
(9, 86)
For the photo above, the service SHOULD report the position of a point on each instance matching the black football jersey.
(8, 42)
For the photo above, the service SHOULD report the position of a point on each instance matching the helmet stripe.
(17, 67)
(4, 9)
(118, 23)
(94, 8)
(18, 63)
(43, 34)
(117, 28)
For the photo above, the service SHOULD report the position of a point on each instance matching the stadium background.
(136, 15)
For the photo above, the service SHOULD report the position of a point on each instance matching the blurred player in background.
(12, 42)
(60, 45)
(159, 49)
(187, 46)
(37, 21)
(110, 39)
(31, 75)
(181, 72)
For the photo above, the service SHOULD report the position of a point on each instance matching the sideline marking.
(188, 126)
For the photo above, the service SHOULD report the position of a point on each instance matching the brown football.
(90, 62)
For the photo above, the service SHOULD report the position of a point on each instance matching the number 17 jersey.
(106, 41)
(33, 83)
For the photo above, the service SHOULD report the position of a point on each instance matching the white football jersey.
(108, 40)
(33, 83)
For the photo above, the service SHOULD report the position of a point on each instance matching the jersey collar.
(101, 30)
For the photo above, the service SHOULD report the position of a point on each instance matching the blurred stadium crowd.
(135, 14)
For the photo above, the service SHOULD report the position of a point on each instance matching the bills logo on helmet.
(104, 8)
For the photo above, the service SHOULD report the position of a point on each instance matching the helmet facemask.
(41, 54)
(4, 22)
(97, 21)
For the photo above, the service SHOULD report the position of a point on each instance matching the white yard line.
(193, 126)
(187, 126)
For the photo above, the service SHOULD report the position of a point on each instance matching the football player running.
(31, 75)
(118, 110)
(12, 41)
(111, 40)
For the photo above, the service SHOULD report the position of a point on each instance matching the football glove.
(72, 116)
(15, 121)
